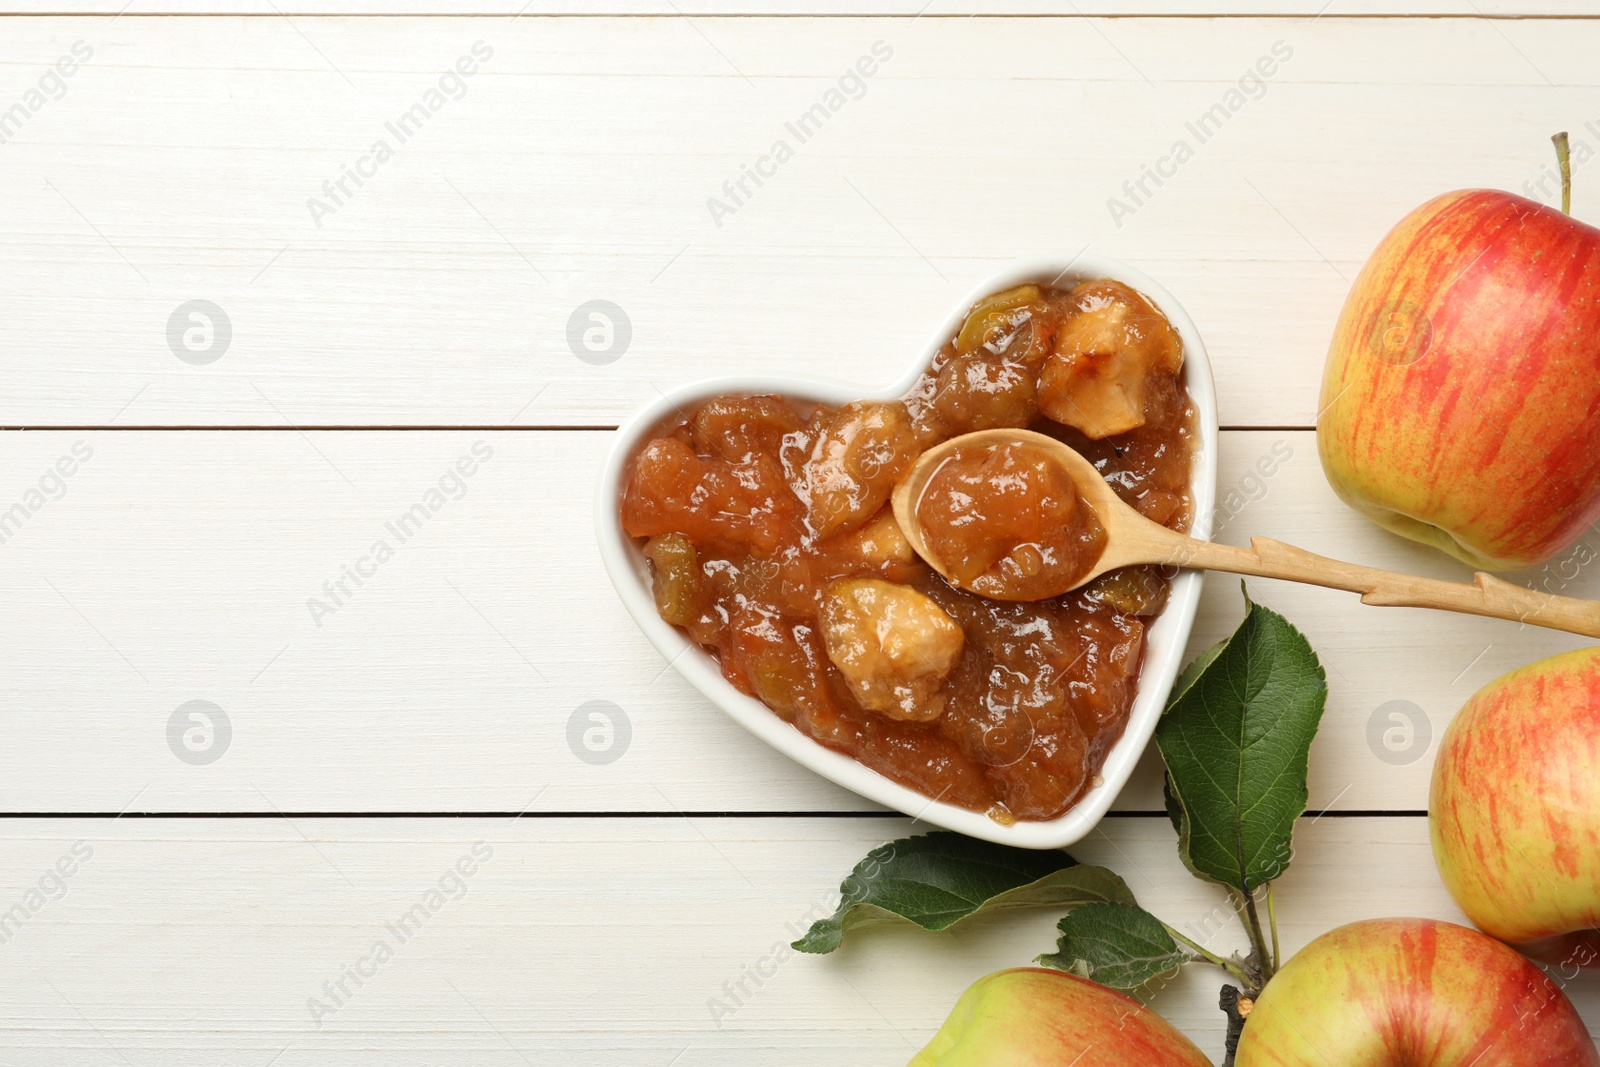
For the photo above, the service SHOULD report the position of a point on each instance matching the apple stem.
(1564, 161)
(1229, 1003)
(1245, 905)
(1272, 921)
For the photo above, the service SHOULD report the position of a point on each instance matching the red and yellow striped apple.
(1412, 993)
(1032, 1017)
(1514, 809)
(1462, 388)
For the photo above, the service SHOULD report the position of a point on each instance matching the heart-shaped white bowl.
(1165, 639)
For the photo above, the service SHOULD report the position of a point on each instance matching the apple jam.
(772, 544)
(1007, 522)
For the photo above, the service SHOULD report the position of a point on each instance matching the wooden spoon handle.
(1485, 595)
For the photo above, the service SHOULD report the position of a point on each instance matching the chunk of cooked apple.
(893, 645)
(880, 543)
(858, 454)
(1096, 378)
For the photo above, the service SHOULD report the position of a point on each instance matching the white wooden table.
(424, 312)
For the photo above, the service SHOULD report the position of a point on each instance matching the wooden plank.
(924, 9)
(181, 566)
(580, 941)
(580, 162)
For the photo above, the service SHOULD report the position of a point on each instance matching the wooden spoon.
(1132, 539)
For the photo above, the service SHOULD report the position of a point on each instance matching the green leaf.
(1236, 739)
(1174, 809)
(1118, 945)
(938, 879)
(1191, 674)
